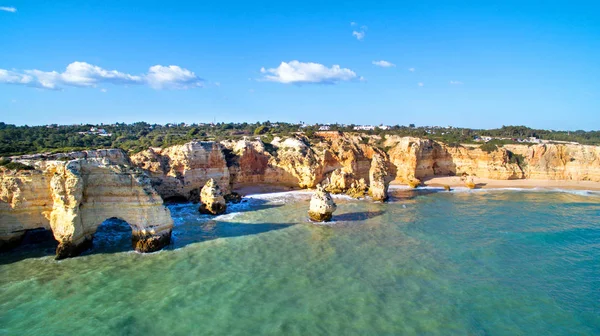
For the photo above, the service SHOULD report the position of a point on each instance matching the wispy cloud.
(8, 9)
(420, 84)
(82, 74)
(296, 72)
(456, 82)
(411, 69)
(384, 64)
(360, 35)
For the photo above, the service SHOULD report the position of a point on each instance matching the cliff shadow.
(114, 235)
(249, 204)
(396, 195)
(187, 234)
(35, 243)
(357, 216)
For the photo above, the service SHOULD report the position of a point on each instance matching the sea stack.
(211, 199)
(321, 206)
(378, 176)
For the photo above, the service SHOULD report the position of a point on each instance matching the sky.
(479, 64)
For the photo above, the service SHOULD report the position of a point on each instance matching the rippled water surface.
(460, 263)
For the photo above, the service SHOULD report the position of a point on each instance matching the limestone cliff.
(72, 197)
(423, 158)
(73, 193)
(179, 172)
(560, 161)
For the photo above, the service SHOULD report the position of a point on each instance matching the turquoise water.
(460, 263)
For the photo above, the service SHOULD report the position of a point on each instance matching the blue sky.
(475, 64)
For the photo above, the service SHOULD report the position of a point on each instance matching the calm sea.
(498, 262)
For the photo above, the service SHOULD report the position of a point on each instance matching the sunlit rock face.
(179, 172)
(322, 206)
(560, 161)
(379, 179)
(211, 199)
(417, 158)
(72, 197)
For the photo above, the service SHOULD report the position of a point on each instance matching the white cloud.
(11, 77)
(411, 69)
(456, 82)
(103, 90)
(82, 74)
(420, 84)
(172, 77)
(296, 72)
(8, 9)
(359, 35)
(384, 64)
(353, 23)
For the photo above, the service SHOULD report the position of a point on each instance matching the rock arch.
(73, 198)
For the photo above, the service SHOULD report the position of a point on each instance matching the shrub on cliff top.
(261, 130)
(15, 165)
(489, 147)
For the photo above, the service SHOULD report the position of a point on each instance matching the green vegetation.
(489, 147)
(18, 140)
(15, 165)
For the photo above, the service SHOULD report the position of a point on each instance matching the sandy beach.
(483, 183)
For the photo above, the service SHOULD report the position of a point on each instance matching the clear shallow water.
(461, 263)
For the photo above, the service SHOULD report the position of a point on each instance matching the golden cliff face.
(181, 171)
(560, 161)
(72, 198)
(337, 160)
(422, 158)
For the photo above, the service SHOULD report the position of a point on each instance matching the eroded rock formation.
(322, 206)
(379, 179)
(73, 197)
(72, 193)
(179, 172)
(211, 199)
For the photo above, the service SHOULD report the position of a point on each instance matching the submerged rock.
(321, 206)
(211, 199)
(233, 197)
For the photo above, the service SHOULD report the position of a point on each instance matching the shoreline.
(451, 181)
(484, 183)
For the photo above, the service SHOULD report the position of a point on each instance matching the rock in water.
(378, 175)
(211, 199)
(321, 206)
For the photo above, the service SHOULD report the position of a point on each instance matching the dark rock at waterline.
(212, 209)
(320, 217)
(69, 250)
(233, 198)
(151, 243)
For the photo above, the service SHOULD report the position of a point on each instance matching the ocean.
(428, 262)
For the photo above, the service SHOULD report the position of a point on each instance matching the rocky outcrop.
(211, 199)
(179, 172)
(321, 206)
(379, 179)
(72, 197)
